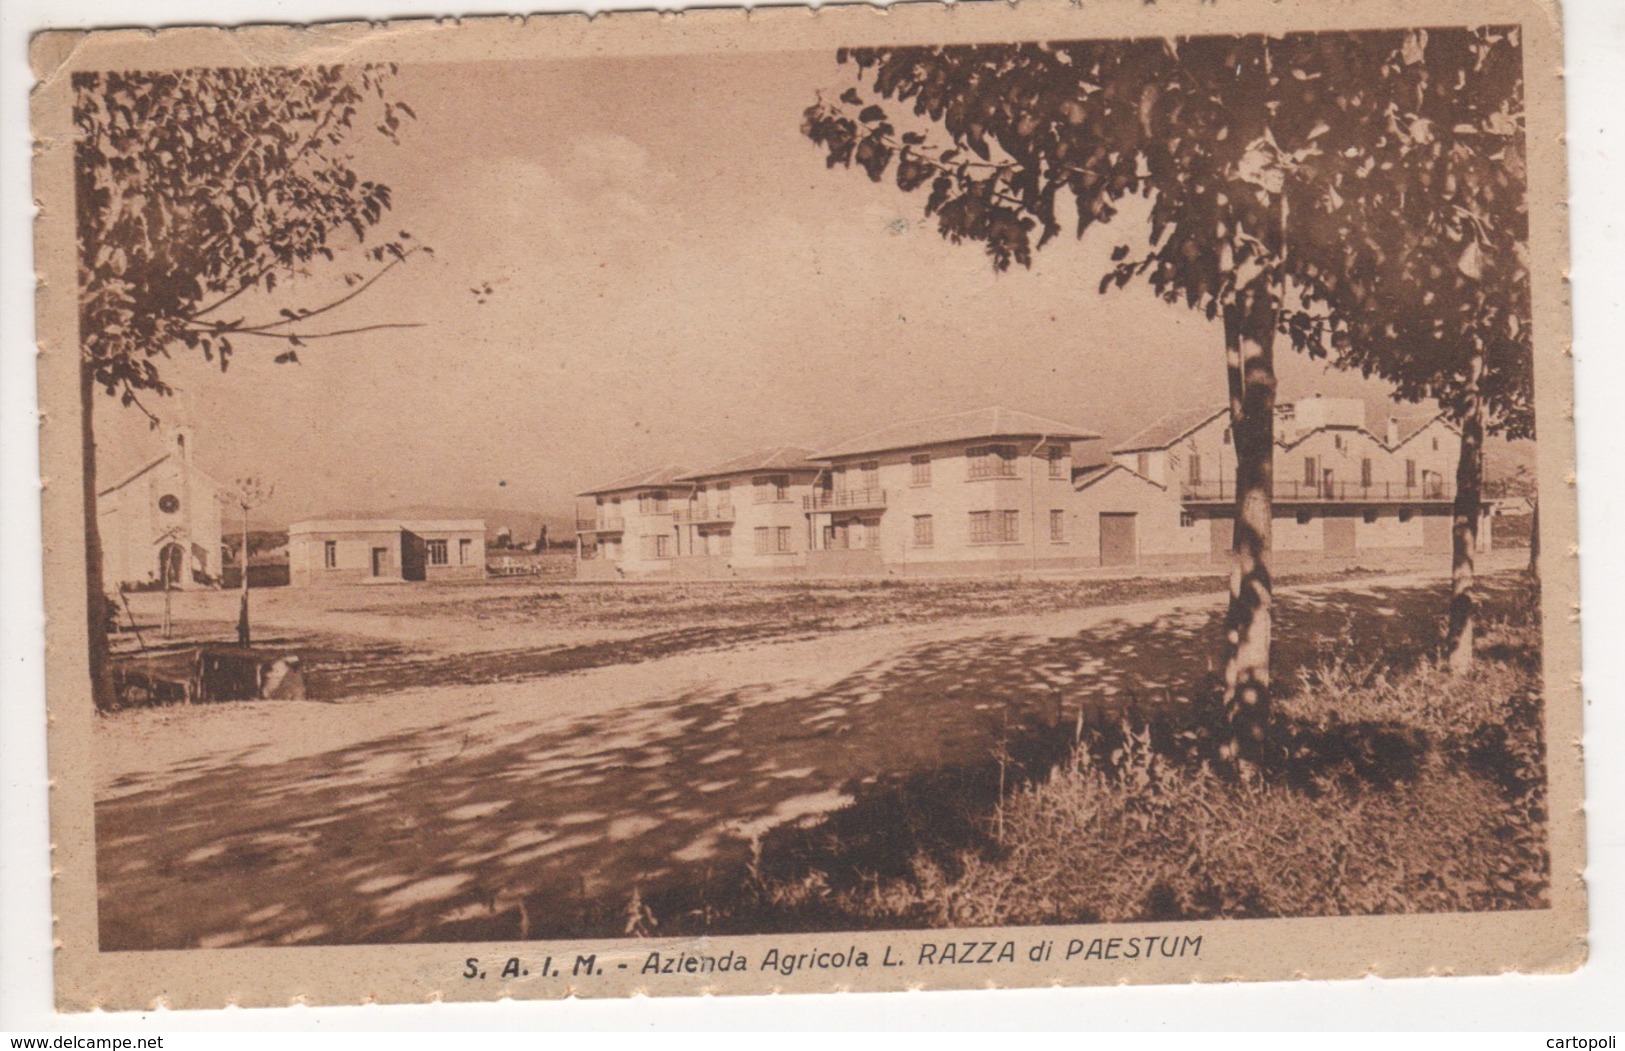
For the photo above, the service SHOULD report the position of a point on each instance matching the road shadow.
(435, 835)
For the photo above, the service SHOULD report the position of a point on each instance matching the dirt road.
(518, 808)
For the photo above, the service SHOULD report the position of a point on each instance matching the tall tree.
(1248, 149)
(196, 187)
(1431, 289)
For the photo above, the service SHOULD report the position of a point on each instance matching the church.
(161, 522)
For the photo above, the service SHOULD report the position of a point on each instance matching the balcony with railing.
(845, 500)
(605, 524)
(703, 514)
(1224, 491)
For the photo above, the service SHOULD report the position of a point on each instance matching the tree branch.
(252, 282)
(374, 279)
(286, 336)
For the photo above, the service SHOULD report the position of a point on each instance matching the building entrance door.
(1223, 539)
(170, 560)
(1119, 544)
(1339, 533)
(380, 561)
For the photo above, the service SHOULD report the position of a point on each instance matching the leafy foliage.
(1373, 180)
(195, 186)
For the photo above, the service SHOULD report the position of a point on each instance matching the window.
(1057, 527)
(1435, 443)
(1142, 464)
(764, 540)
(772, 488)
(465, 551)
(1187, 519)
(920, 466)
(1410, 474)
(438, 555)
(1337, 442)
(871, 532)
(1405, 514)
(1370, 516)
(662, 546)
(1365, 473)
(924, 531)
(330, 554)
(1057, 461)
(1303, 517)
(724, 495)
(725, 542)
(782, 537)
(870, 474)
(995, 527)
(1310, 476)
(992, 461)
(169, 503)
(1196, 468)
(1227, 437)
(653, 502)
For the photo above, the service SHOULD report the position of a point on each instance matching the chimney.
(1393, 431)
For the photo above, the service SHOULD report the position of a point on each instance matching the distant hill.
(522, 525)
(263, 545)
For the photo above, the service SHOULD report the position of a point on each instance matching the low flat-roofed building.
(329, 552)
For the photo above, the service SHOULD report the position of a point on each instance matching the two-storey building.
(988, 489)
(747, 515)
(1340, 488)
(633, 530)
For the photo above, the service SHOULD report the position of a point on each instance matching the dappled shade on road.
(435, 834)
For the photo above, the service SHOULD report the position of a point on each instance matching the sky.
(675, 278)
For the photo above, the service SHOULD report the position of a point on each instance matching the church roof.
(133, 475)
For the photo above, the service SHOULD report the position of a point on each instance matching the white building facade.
(160, 524)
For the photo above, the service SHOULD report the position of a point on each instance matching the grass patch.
(1389, 791)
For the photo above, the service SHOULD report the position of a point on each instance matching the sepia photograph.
(791, 506)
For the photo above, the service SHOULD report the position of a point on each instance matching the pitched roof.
(133, 475)
(1168, 430)
(1411, 426)
(671, 474)
(992, 422)
(775, 458)
(1083, 479)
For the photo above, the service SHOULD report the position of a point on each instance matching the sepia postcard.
(795, 501)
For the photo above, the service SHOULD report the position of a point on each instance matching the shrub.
(1394, 793)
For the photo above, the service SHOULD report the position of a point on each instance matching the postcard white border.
(1596, 37)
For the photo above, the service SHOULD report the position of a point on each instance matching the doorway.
(170, 559)
(1119, 540)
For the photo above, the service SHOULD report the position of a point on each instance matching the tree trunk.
(96, 609)
(1534, 542)
(1249, 336)
(242, 612)
(1464, 523)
